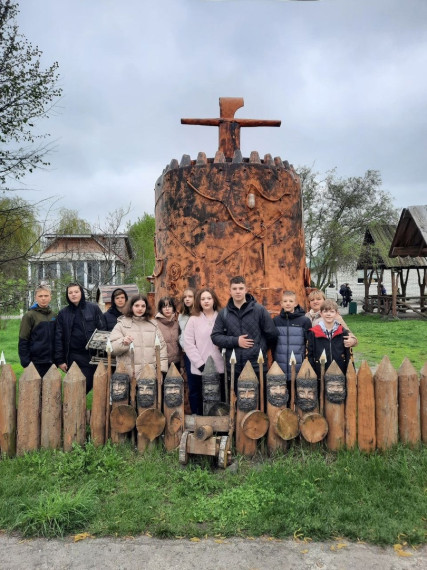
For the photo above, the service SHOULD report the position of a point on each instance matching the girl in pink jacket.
(198, 345)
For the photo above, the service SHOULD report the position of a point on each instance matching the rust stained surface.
(218, 218)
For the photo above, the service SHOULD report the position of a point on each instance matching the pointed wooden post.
(7, 410)
(120, 390)
(51, 422)
(385, 381)
(247, 404)
(366, 409)
(29, 407)
(74, 407)
(211, 386)
(150, 422)
(173, 407)
(423, 403)
(277, 397)
(109, 350)
(351, 408)
(409, 404)
(334, 406)
(99, 405)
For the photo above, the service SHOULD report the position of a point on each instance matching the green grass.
(379, 498)
(312, 493)
(395, 338)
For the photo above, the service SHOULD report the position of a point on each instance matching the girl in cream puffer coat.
(136, 326)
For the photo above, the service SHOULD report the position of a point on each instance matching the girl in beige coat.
(136, 326)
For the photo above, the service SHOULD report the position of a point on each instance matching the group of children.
(186, 339)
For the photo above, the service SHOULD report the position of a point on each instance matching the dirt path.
(229, 554)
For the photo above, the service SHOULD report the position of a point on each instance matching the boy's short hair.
(42, 287)
(316, 294)
(289, 294)
(329, 305)
(237, 279)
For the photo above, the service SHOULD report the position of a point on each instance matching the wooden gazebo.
(376, 258)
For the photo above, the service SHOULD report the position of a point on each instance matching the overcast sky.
(347, 78)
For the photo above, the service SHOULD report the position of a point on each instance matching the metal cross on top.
(229, 126)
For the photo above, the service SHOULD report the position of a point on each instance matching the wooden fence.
(380, 409)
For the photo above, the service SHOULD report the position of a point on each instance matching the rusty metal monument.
(228, 215)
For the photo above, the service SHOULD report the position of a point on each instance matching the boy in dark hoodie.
(74, 327)
(293, 327)
(37, 332)
(119, 299)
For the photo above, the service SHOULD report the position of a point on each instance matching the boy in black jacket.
(328, 335)
(37, 332)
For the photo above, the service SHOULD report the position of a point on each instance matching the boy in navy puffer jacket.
(293, 327)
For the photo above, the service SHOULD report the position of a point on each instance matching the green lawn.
(308, 492)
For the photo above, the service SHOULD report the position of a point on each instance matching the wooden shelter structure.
(380, 255)
(104, 292)
(228, 215)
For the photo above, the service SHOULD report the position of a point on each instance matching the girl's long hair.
(148, 311)
(184, 309)
(197, 304)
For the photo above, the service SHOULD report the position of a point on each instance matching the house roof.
(376, 248)
(86, 246)
(104, 292)
(411, 233)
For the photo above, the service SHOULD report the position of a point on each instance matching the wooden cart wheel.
(224, 449)
(183, 453)
(150, 423)
(122, 418)
(287, 424)
(255, 424)
(314, 427)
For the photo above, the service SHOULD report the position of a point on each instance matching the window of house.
(92, 272)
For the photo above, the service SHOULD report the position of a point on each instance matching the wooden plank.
(29, 407)
(51, 418)
(7, 410)
(423, 403)
(385, 381)
(409, 404)
(365, 409)
(99, 405)
(334, 411)
(207, 447)
(74, 407)
(351, 408)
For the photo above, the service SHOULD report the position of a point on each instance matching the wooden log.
(385, 381)
(255, 424)
(7, 410)
(173, 407)
(203, 432)
(247, 400)
(351, 408)
(423, 403)
(51, 420)
(367, 440)
(74, 407)
(409, 404)
(218, 423)
(29, 407)
(334, 407)
(99, 405)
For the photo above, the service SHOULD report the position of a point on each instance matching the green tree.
(336, 213)
(71, 224)
(141, 235)
(19, 236)
(27, 93)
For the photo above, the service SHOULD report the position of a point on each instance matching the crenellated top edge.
(219, 158)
